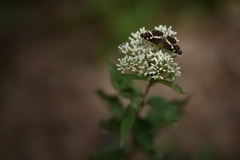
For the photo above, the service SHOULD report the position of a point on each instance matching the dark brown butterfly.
(168, 42)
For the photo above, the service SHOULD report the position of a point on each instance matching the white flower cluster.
(148, 59)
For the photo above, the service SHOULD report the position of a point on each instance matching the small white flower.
(148, 59)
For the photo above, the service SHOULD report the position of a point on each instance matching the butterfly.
(166, 42)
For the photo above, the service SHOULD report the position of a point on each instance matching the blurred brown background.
(53, 56)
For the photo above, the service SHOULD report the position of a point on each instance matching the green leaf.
(143, 136)
(162, 109)
(207, 152)
(111, 125)
(172, 85)
(144, 139)
(180, 104)
(127, 123)
(113, 103)
(156, 156)
(162, 112)
(157, 101)
(123, 86)
(111, 155)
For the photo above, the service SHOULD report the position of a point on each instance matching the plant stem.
(144, 96)
(132, 153)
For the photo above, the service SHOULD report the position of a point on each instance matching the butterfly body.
(166, 42)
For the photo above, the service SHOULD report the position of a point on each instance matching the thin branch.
(144, 96)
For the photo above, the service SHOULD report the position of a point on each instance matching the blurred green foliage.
(125, 120)
(120, 18)
(101, 25)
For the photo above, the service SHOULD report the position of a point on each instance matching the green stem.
(132, 151)
(142, 104)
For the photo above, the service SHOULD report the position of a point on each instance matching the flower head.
(148, 59)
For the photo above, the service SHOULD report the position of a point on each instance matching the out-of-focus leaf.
(143, 136)
(162, 112)
(156, 156)
(208, 152)
(127, 122)
(113, 103)
(172, 85)
(123, 86)
(111, 125)
(112, 155)
(180, 104)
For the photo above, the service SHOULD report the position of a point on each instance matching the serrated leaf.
(127, 123)
(143, 136)
(172, 85)
(180, 104)
(144, 139)
(157, 101)
(162, 109)
(113, 103)
(123, 86)
(162, 112)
